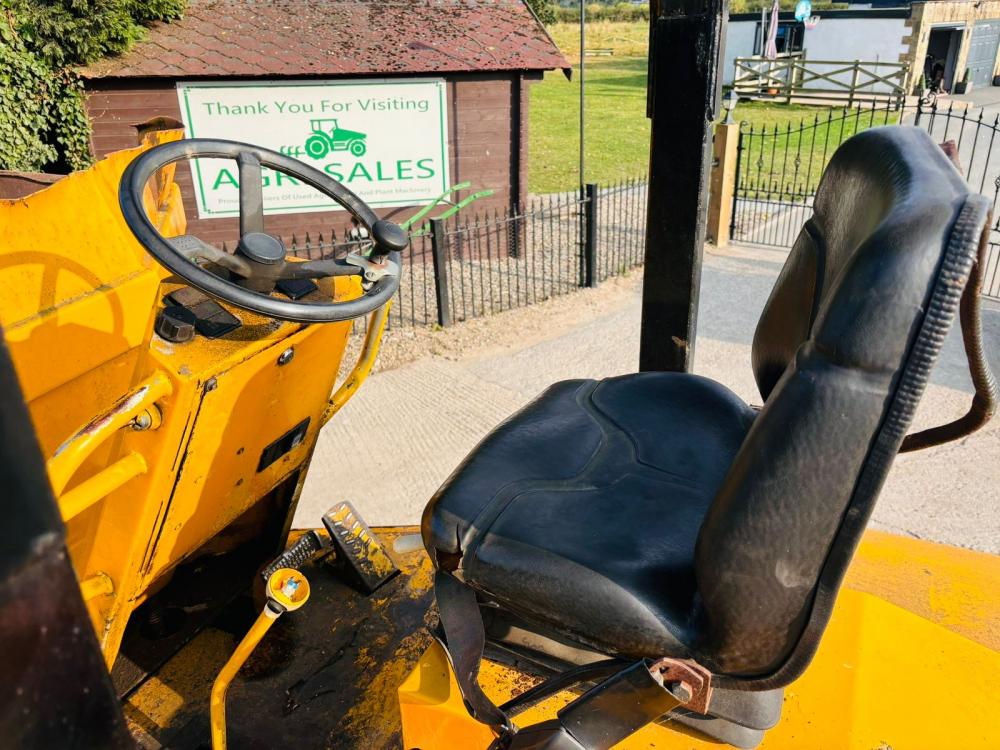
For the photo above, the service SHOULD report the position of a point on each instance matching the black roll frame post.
(55, 691)
(685, 49)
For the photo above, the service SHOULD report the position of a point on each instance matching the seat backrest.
(841, 355)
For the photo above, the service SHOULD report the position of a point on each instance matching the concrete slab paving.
(391, 447)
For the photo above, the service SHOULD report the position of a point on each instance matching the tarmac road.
(414, 424)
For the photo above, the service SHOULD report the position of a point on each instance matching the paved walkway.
(408, 428)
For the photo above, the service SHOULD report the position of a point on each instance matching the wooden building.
(482, 55)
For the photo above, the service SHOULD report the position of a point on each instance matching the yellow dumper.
(638, 562)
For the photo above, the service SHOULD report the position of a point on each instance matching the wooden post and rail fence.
(794, 78)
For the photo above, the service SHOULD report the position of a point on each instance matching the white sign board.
(386, 139)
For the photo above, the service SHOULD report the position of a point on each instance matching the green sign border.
(184, 87)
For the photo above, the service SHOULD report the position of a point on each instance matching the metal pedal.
(358, 548)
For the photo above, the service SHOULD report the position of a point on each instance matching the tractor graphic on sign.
(327, 136)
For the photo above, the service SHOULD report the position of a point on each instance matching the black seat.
(657, 515)
(587, 486)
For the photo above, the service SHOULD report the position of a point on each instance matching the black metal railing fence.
(779, 167)
(481, 263)
(621, 227)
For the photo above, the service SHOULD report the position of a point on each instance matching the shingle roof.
(264, 38)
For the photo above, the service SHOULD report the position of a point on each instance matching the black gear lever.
(388, 237)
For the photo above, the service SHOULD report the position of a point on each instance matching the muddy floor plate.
(323, 677)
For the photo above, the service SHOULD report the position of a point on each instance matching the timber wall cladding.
(487, 122)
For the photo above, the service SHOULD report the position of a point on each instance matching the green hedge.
(611, 11)
(43, 123)
(604, 12)
(546, 13)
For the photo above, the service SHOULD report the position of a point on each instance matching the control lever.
(389, 238)
(287, 590)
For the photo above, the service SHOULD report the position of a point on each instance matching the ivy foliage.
(43, 123)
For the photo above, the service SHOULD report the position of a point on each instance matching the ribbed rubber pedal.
(357, 547)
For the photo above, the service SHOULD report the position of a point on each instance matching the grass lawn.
(786, 147)
(617, 131)
(624, 39)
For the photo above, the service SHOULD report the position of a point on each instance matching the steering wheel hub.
(261, 247)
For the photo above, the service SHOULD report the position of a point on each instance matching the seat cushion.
(582, 510)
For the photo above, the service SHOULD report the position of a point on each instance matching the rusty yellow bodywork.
(152, 447)
(909, 662)
(154, 452)
(325, 676)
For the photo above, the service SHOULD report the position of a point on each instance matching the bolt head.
(175, 324)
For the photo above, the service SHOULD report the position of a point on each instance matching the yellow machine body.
(153, 448)
(156, 456)
(909, 662)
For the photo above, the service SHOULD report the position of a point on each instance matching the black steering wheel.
(259, 263)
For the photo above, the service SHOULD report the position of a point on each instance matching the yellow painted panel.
(951, 586)
(252, 404)
(73, 275)
(59, 345)
(880, 681)
(78, 309)
(66, 241)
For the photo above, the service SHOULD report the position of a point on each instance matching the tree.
(545, 12)
(43, 123)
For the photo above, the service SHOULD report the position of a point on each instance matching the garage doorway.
(983, 52)
(942, 53)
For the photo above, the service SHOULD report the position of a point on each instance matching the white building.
(959, 35)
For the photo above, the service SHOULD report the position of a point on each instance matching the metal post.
(440, 253)
(590, 237)
(854, 85)
(583, 54)
(736, 180)
(687, 38)
(64, 696)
